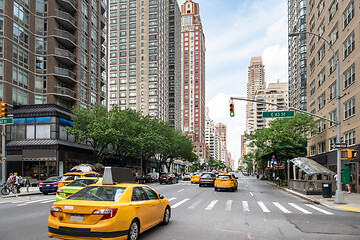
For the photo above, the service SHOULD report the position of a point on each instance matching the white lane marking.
(171, 199)
(245, 206)
(181, 190)
(281, 207)
(319, 209)
(263, 207)
(179, 203)
(228, 205)
(299, 208)
(251, 194)
(195, 204)
(26, 203)
(51, 200)
(211, 205)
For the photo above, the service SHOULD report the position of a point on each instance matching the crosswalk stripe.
(26, 203)
(179, 203)
(195, 204)
(211, 205)
(245, 206)
(263, 207)
(299, 208)
(281, 207)
(171, 199)
(319, 209)
(51, 200)
(228, 205)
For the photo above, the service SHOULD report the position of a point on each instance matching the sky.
(235, 31)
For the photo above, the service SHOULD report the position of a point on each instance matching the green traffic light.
(231, 114)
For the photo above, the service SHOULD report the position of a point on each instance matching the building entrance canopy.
(311, 167)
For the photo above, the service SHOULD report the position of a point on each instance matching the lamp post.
(339, 195)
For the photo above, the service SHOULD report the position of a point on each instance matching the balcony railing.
(68, 5)
(66, 56)
(65, 19)
(65, 92)
(65, 37)
(65, 74)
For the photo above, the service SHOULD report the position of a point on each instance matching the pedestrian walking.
(349, 185)
(18, 181)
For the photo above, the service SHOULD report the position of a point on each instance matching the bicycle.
(6, 189)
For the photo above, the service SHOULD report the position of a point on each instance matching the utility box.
(345, 176)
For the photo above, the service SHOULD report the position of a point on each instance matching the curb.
(21, 194)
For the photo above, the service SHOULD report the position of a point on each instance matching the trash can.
(326, 190)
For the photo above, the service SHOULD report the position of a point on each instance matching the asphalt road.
(255, 211)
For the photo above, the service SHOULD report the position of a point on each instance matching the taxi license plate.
(76, 218)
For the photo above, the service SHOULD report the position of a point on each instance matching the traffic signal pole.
(3, 165)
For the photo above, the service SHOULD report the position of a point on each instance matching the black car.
(207, 179)
(168, 178)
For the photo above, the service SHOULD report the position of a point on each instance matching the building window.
(349, 137)
(312, 65)
(349, 45)
(348, 14)
(334, 35)
(349, 108)
(332, 91)
(322, 147)
(332, 10)
(331, 142)
(332, 63)
(321, 101)
(321, 76)
(312, 150)
(349, 76)
(312, 87)
(332, 116)
(321, 126)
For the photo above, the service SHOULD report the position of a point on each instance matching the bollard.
(27, 185)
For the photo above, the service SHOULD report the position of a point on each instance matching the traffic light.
(232, 113)
(3, 111)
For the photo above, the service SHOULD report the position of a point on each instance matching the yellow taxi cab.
(71, 176)
(226, 181)
(113, 209)
(195, 178)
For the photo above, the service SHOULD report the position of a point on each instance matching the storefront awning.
(310, 167)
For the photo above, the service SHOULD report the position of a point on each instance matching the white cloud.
(275, 61)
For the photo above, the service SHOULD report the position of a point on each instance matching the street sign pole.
(3, 165)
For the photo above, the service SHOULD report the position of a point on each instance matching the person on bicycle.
(11, 180)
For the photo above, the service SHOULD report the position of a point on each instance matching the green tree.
(93, 127)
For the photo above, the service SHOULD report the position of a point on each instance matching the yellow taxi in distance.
(195, 178)
(108, 211)
(226, 181)
(71, 176)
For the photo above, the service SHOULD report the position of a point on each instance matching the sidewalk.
(24, 192)
(352, 201)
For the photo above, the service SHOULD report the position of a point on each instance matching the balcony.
(65, 20)
(103, 6)
(103, 37)
(65, 57)
(102, 94)
(65, 75)
(103, 64)
(65, 38)
(65, 93)
(103, 21)
(68, 5)
(103, 51)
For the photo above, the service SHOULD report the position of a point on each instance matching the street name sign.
(6, 121)
(339, 145)
(278, 114)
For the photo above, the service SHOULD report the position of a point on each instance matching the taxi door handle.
(137, 206)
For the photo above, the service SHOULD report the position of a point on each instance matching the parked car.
(168, 178)
(75, 186)
(144, 179)
(49, 185)
(186, 177)
(207, 179)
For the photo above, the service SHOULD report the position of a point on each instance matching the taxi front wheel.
(133, 230)
(166, 216)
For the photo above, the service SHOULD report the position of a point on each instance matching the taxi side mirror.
(161, 196)
(236, 177)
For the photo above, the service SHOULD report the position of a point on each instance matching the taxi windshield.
(80, 182)
(69, 177)
(98, 193)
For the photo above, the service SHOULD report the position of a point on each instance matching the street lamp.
(339, 195)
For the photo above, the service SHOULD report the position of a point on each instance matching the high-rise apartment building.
(222, 149)
(174, 64)
(297, 54)
(193, 77)
(277, 93)
(211, 137)
(139, 55)
(337, 21)
(256, 82)
(53, 56)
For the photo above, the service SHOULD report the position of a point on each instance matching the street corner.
(347, 208)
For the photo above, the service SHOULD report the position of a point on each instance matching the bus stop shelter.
(307, 176)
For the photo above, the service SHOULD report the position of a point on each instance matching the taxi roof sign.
(114, 175)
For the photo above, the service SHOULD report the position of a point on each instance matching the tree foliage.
(127, 133)
(285, 137)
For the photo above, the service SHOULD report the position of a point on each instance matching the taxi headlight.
(107, 213)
